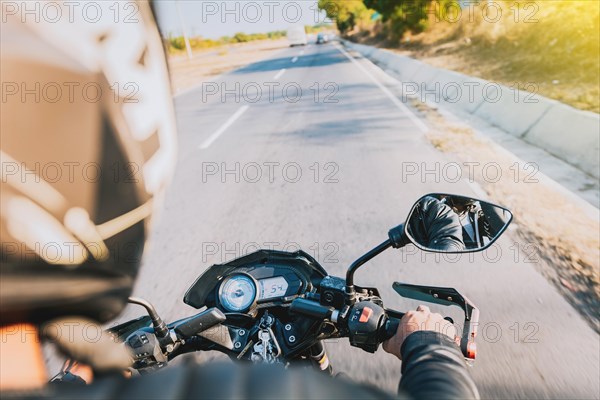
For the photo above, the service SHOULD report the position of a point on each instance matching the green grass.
(549, 47)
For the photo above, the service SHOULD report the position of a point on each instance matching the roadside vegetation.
(176, 44)
(548, 47)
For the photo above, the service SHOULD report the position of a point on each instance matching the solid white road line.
(420, 124)
(294, 59)
(223, 128)
(279, 74)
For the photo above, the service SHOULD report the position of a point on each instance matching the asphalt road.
(326, 173)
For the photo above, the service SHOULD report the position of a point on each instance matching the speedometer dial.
(237, 293)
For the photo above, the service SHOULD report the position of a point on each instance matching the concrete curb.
(515, 111)
(566, 132)
(563, 131)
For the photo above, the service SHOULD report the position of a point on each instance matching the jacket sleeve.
(444, 228)
(433, 367)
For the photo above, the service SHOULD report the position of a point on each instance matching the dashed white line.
(294, 59)
(223, 128)
(279, 74)
(420, 124)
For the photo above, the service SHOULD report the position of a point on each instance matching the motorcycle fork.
(319, 358)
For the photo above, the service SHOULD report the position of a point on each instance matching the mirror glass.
(449, 223)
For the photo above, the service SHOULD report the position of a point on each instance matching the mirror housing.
(447, 209)
(446, 223)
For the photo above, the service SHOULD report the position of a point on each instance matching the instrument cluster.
(263, 279)
(246, 289)
(240, 291)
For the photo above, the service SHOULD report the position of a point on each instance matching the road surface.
(324, 171)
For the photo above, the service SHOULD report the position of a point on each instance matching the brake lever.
(447, 297)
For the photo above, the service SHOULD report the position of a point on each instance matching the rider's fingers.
(423, 308)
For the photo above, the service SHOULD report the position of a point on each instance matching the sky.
(213, 19)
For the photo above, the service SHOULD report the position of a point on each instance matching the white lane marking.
(279, 74)
(422, 127)
(294, 59)
(223, 128)
(302, 52)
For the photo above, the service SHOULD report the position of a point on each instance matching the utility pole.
(183, 30)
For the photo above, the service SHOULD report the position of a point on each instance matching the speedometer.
(237, 293)
(272, 287)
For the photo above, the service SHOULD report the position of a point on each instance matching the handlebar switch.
(333, 292)
(145, 350)
(364, 322)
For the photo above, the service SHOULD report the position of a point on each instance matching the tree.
(241, 37)
(346, 13)
(402, 15)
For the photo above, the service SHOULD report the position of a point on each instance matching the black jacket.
(433, 367)
(434, 225)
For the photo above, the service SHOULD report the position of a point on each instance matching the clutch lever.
(447, 297)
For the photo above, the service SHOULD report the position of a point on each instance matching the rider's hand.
(420, 320)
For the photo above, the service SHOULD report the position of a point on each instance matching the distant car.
(297, 35)
(322, 38)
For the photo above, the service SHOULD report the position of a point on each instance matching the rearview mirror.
(446, 223)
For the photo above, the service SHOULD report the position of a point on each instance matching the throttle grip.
(388, 329)
(390, 326)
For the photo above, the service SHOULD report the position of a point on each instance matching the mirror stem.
(160, 327)
(358, 263)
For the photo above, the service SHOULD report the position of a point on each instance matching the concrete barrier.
(570, 134)
(450, 85)
(365, 50)
(405, 67)
(514, 111)
(418, 79)
(376, 56)
(567, 133)
(383, 57)
(469, 94)
(425, 75)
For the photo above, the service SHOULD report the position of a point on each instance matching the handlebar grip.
(200, 322)
(389, 329)
(310, 308)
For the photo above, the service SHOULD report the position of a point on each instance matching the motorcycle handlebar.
(389, 329)
(200, 322)
(315, 310)
(310, 308)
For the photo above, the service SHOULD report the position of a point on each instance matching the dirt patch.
(186, 73)
(554, 234)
